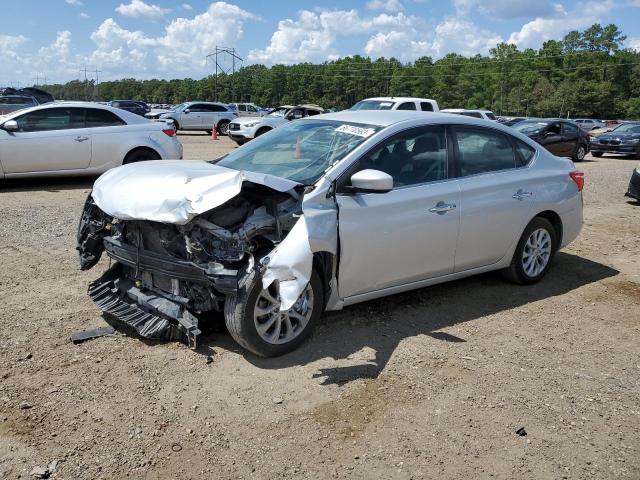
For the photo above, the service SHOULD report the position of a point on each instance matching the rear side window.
(214, 108)
(311, 113)
(471, 114)
(490, 115)
(51, 119)
(524, 152)
(102, 118)
(569, 128)
(407, 106)
(483, 151)
(426, 106)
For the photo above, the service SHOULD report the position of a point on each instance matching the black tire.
(239, 318)
(140, 155)
(223, 127)
(597, 154)
(580, 153)
(262, 131)
(516, 272)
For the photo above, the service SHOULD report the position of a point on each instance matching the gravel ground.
(428, 384)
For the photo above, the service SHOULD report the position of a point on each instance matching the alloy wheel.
(275, 326)
(536, 252)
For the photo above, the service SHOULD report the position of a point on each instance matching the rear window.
(426, 106)
(407, 106)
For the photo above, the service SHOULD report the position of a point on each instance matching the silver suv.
(200, 116)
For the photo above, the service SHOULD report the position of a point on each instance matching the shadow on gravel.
(46, 184)
(382, 324)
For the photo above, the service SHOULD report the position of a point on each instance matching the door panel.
(552, 140)
(393, 238)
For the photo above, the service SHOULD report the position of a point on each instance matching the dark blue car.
(133, 106)
(625, 138)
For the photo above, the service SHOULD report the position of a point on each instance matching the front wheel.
(254, 319)
(580, 153)
(534, 252)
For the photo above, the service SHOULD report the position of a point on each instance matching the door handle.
(441, 208)
(521, 195)
(81, 139)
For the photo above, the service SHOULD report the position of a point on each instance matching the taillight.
(578, 177)
(170, 132)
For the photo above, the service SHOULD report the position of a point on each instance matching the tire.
(262, 131)
(176, 125)
(597, 154)
(580, 153)
(140, 155)
(239, 314)
(521, 272)
(223, 127)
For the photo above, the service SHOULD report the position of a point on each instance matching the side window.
(102, 118)
(216, 108)
(490, 115)
(311, 113)
(196, 108)
(251, 108)
(569, 128)
(426, 106)
(411, 158)
(554, 128)
(482, 151)
(407, 106)
(524, 152)
(51, 119)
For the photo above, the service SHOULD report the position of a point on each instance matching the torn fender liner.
(291, 263)
(152, 316)
(173, 191)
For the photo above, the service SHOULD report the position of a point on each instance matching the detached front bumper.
(634, 185)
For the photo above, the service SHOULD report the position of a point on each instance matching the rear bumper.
(634, 185)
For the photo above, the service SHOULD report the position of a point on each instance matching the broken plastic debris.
(80, 337)
(522, 432)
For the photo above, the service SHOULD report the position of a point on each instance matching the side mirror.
(10, 126)
(371, 181)
(186, 110)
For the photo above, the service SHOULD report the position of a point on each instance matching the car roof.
(465, 110)
(126, 116)
(385, 118)
(207, 103)
(399, 99)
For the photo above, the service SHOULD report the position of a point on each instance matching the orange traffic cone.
(214, 133)
(297, 154)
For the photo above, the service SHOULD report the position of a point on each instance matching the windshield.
(530, 127)
(627, 128)
(300, 151)
(278, 112)
(373, 105)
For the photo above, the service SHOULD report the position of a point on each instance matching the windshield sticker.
(359, 131)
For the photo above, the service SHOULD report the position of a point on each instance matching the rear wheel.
(140, 155)
(534, 252)
(596, 154)
(580, 153)
(223, 127)
(254, 319)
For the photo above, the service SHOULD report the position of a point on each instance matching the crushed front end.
(168, 277)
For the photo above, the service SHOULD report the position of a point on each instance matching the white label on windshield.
(359, 131)
(386, 104)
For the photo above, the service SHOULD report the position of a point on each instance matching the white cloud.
(313, 35)
(83, 15)
(75, 3)
(139, 9)
(181, 50)
(390, 6)
(186, 6)
(534, 33)
(632, 43)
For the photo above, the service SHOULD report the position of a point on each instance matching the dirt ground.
(428, 384)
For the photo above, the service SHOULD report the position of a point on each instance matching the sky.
(59, 39)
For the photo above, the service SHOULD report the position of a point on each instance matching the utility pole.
(85, 81)
(95, 86)
(220, 54)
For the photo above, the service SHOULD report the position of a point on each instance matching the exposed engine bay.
(166, 275)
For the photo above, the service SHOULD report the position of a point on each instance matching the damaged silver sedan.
(319, 214)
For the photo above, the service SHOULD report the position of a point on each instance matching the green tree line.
(587, 73)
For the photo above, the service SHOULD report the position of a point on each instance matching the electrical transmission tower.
(222, 57)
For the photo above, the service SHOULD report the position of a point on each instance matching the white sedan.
(322, 213)
(80, 138)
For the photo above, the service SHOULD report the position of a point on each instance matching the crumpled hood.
(173, 191)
